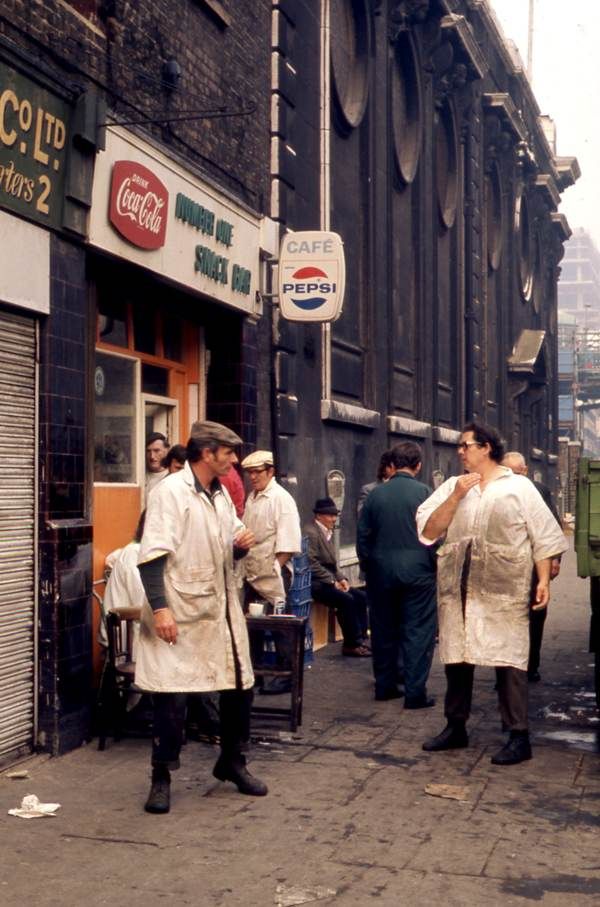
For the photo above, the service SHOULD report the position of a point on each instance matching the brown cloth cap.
(214, 431)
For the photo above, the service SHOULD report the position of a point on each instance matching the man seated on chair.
(329, 585)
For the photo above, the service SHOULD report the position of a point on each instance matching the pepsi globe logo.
(309, 288)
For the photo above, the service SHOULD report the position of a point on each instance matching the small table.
(292, 629)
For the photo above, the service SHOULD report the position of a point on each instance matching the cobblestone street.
(347, 820)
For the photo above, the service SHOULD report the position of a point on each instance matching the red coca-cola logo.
(138, 205)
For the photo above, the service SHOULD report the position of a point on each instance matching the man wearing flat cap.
(193, 636)
(271, 514)
(329, 585)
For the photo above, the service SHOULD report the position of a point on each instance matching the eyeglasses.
(464, 445)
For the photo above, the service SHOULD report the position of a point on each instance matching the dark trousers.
(537, 620)
(169, 719)
(350, 610)
(403, 625)
(512, 695)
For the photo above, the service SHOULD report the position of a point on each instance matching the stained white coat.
(197, 537)
(508, 527)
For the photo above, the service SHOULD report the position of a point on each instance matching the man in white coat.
(193, 636)
(495, 527)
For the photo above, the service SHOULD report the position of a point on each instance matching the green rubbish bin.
(587, 548)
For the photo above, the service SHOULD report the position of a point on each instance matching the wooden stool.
(291, 629)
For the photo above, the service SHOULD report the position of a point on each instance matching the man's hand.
(554, 567)
(342, 584)
(245, 540)
(465, 483)
(165, 625)
(542, 596)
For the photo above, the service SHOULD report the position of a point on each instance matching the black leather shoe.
(391, 693)
(517, 749)
(159, 798)
(419, 702)
(534, 677)
(453, 737)
(237, 772)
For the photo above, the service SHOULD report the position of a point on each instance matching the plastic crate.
(301, 563)
(299, 609)
(304, 545)
(302, 580)
(298, 597)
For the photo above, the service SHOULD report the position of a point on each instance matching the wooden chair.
(117, 682)
(292, 629)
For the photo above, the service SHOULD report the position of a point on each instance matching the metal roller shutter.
(17, 532)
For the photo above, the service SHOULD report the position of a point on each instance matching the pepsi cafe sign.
(312, 276)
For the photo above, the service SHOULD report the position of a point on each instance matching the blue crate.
(301, 563)
(304, 545)
(299, 609)
(302, 580)
(298, 597)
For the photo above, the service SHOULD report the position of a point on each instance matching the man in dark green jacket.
(400, 575)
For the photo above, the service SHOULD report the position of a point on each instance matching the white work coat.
(508, 527)
(124, 587)
(197, 537)
(273, 517)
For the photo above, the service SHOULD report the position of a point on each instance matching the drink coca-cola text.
(138, 205)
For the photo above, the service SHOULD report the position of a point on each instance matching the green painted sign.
(33, 148)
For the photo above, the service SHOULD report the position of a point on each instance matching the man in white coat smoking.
(495, 527)
(193, 636)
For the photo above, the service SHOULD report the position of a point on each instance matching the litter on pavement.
(450, 791)
(31, 808)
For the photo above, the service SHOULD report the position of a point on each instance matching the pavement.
(348, 821)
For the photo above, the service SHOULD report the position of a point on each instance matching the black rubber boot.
(517, 749)
(159, 798)
(234, 769)
(453, 737)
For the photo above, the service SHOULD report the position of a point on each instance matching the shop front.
(175, 267)
(39, 203)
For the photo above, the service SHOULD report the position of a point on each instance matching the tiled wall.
(65, 642)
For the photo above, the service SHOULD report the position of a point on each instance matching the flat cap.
(258, 460)
(214, 431)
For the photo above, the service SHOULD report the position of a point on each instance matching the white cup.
(256, 609)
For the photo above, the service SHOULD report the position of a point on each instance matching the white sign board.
(312, 276)
(206, 242)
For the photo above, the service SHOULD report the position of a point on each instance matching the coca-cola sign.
(138, 205)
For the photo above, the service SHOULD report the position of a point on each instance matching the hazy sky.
(566, 83)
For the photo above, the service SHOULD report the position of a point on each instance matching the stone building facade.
(411, 129)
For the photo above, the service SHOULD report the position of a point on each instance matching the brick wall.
(122, 47)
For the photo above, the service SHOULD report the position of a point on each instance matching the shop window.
(115, 422)
(155, 380)
(172, 338)
(145, 335)
(112, 321)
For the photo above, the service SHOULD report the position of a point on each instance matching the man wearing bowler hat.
(193, 636)
(329, 585)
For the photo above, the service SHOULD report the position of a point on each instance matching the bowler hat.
(214, 431)
(325, 505)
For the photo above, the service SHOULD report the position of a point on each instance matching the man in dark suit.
(537, 618)
(400, 580)
(329, 585)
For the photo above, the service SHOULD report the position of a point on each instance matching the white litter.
(18, 775)
(31, 808)
(291, 895)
